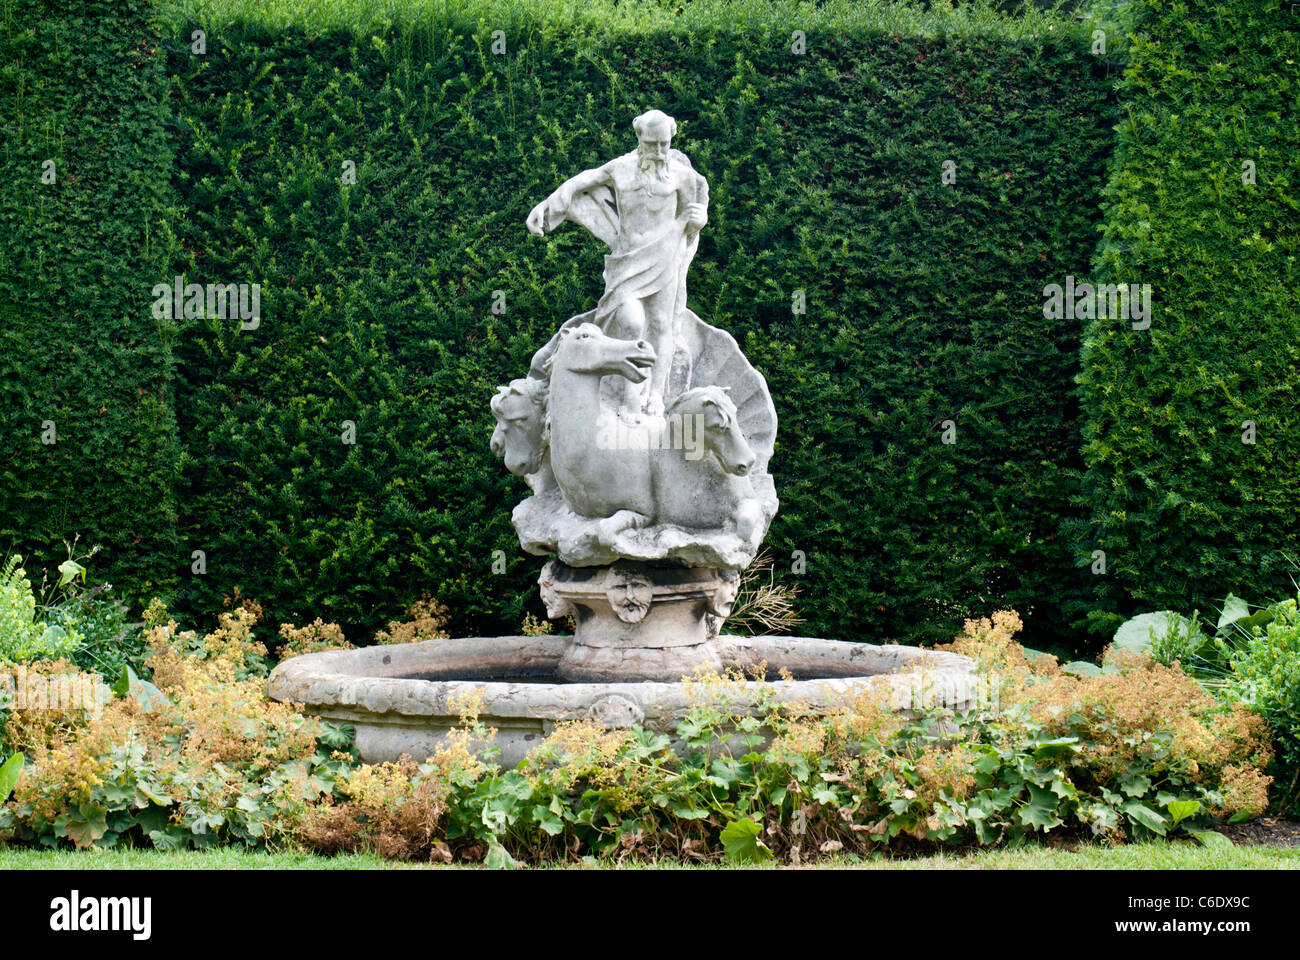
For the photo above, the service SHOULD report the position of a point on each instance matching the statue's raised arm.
(579, 199)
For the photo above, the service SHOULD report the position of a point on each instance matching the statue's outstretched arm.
(550, 211)
(584, 181)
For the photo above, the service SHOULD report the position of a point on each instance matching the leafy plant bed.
(1251, 657)
(199, 758)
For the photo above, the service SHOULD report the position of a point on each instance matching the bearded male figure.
(648, 206)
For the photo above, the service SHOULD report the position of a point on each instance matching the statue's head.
(519, 437)
(585, 348)
(717, 414)
(654, 133)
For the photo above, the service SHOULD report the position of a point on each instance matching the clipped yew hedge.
(1193, 425)
(924, 317)
(923, 300)
(88, 439)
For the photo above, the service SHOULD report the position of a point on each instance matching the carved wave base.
(548, 527)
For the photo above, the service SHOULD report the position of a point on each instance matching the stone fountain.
(644, 435)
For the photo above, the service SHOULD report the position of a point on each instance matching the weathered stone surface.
(644, 432)
(638, 621)
(546, 526)
(404, 698)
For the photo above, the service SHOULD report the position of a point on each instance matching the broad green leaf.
(129, 684)
(89, 825)
(1061, 746)
(826, 796)
(988, 763)
(9, 773)
(207, 821)
(154, 817)
(1237, 614)
(1180, 810)
(160, 797)
(497, 858)
(123, 682)
(1135, 785)
(1211, 839)
(727, 771)
(117, 793)
(1234, 609)
(1261, 618)
(741, 843)
(1141, 813)
(548, 820)
(1135, 634)
(162, 840)
(1063, 788)
(69, 570)
(1040, 812)
(1101, 817)
(516, 785)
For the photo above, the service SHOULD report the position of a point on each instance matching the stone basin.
(402, 698)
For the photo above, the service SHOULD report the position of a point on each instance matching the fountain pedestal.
(638, 621)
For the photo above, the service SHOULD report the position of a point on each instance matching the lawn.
(1137, 856)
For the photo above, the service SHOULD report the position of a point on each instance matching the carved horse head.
(520, 434)
(587, 349)
(722, 433)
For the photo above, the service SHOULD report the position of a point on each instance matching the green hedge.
(825, 170)
(1184, 510)
(82, 85)
(924, 300)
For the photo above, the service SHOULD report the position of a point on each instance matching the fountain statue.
(643, 432)
(644, 436)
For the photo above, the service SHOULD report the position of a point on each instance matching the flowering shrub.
(316, 637)
(197, 757)
(1249, 660)
(203, 757)
(428, 621)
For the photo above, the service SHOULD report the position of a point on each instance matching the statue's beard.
(653, 166)
(632, 611)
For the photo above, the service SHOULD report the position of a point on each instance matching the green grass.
(1138, 856)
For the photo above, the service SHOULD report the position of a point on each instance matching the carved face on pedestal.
(629, 595)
